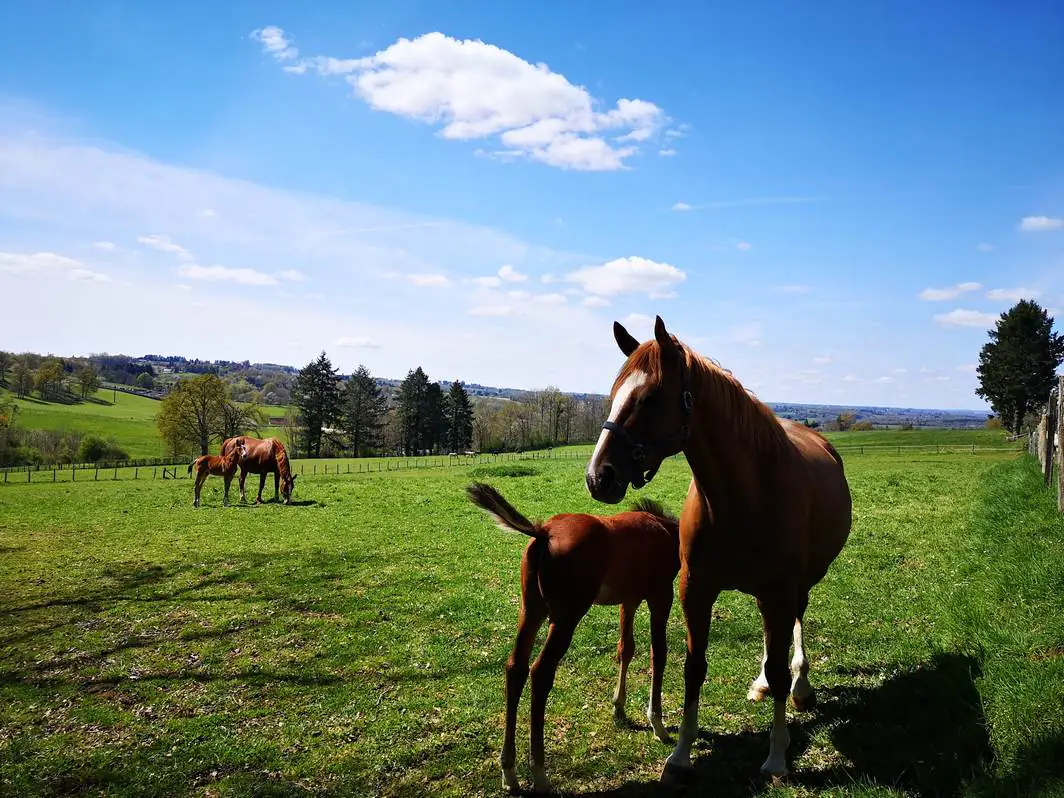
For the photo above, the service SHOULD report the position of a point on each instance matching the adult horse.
(264, 456)
(767, 511)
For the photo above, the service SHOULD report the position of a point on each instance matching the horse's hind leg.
(659, 621)
(759, 686)
(228, 478)
(802, 693)
(778, 614)
(559, 636)
(201, 477)
(625, 652)
(533, 612)
(262, 484)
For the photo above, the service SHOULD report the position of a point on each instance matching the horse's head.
(241, 450)
(287, 486)
(650, 409)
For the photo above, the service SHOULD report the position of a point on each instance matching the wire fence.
(171, 470)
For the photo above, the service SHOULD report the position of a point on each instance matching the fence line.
(1047, 441)
(376, 465)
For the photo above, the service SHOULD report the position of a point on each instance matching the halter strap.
(640, 476)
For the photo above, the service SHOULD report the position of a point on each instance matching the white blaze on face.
(620, 404)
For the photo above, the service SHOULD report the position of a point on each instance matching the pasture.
(353, 643)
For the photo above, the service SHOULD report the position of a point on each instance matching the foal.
(213, 465)
(572, 562)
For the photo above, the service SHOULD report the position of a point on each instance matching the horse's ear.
(661, 335)
(625, 341)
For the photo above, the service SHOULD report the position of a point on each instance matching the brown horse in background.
(767, 512)
(572, 561)
(264, 456)
(219, 466)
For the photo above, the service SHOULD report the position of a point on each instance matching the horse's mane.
(644, 504)
(712, 385)
(281, 456)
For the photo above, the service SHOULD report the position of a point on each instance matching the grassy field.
(352, 644)
(127, 418)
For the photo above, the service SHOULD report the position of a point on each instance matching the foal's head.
(650, 409)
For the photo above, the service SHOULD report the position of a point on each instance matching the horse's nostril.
(606, 475)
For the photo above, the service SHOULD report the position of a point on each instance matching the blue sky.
(832, 202)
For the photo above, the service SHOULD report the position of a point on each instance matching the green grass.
(353, 644)
(127, 418)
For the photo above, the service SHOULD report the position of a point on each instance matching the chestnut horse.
(264, 457)
(571, 562)
(767, 511)
(213, 465)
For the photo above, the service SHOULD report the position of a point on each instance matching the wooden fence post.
(1060, 445)
(1050, 431)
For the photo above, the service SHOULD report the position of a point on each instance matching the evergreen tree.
(459, 419)
(413, 401)
(363, 411)
(1017, 367)
(317, 395)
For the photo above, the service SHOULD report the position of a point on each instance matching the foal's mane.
(712, 387)
(281, 456)
(644, 504)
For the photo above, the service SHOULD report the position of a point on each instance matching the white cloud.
(518, 294)
(884, 379)
(106, 246)
(550, 299)
(748, 333)
(736, 203)
(940, 294)
(823, 360)
(683, 206)
(548, 278)
(668, 152)
(1037, 224)
(899, 371)
(595, 302)
(851, 378)
(968, 368)
(511, 275)
(1012, 294)
(480, 91)
(743, 245)
(294, 275)
(490, 310)
(347, 342)
(631, 275)
(966, 318)
(984, 247)
(221, 274)
(47, 263)
(428, 280)
(793, 289)
(164, 244)
(488, 282)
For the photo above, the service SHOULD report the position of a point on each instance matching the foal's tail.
(194, 464)
(505, 514)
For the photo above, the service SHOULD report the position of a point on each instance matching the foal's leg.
(559, 636)
(778, 615)
(659, 621)
(228, 478)
(243, 476)
(533, 612)
(201, 477)
(697, 600)
(262, 484)
(625, 652)
(802, 693)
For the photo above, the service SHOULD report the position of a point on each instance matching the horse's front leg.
(228, 479)
(697, 599)
(659, 622)
(778, 614)
(262, 484)
(625, 652)
(276, 485)
(243, 476)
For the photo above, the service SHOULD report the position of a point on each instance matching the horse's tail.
(506, 516)
(192, 465)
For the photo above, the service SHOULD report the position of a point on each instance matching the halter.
(641, 476)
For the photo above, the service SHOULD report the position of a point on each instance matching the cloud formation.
(631, 275)
(477, 91)
(952, 292)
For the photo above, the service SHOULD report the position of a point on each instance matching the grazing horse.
(264, 457)
(218, 466)
(767, 511)
(571, 562)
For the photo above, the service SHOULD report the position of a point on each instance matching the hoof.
(757, 692)
(509, 781)
(659, 728)
(677, 775)
(773, 771)
(804, 703)
(541, 784)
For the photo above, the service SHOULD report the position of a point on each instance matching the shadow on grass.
(921, 731)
